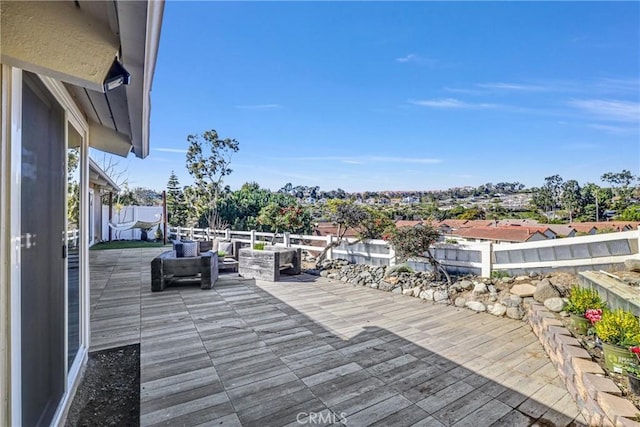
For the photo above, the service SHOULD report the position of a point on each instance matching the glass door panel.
(73, 242)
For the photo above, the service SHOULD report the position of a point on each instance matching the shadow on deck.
(311, 351)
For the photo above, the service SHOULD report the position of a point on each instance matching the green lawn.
(125, 244)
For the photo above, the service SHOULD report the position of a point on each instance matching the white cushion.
(226, 246)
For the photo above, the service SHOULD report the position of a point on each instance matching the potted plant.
(580, 300)
(618, 330)
(259, 246)
(633, 371)
(221, 255)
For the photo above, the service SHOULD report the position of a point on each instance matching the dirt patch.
(109, 394)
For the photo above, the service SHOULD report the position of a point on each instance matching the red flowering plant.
(593, 315)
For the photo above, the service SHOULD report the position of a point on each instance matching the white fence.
(573, 254)
(129, 213)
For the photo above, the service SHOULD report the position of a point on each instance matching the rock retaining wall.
(499, 296)
(598, 397)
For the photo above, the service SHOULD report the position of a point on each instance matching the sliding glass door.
(43, 251)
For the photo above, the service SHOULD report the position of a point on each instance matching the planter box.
(269, 263)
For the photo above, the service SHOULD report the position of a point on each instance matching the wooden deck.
(308, 350)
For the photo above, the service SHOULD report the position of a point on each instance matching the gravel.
(109, 394)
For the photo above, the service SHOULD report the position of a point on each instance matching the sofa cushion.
(190, 249)
(226, 247)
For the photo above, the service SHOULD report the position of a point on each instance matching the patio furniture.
(270, 263)
(167, 268)
(227, 263)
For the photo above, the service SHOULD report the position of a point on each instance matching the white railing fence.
(573, 254)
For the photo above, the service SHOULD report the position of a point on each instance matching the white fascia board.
(58, 40)
(140, 25)
(106, 139)
(101, 178)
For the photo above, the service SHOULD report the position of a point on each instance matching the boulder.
(555, 304)
(408, 292)
(397, 290)
(480, 288)
(523, 290)
(460, 302)
(441, 296)
(427, 294)
(465, 284)
(416, 291)
(511, 301)
(385, 285)
(476, 306)
(497, 309)
(515, 313)
(545, 290)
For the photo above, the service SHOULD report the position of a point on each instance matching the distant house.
(582, 227)
(499, 235)
(99, 184)
(562, 230)
(542, 228)
(511, 221)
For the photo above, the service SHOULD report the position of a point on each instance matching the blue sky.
(398, 96)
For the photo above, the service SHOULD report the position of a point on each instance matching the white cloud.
(423, 160)
(622, 111)
(408, 58)
(513, 86)
(465, 91)
(170, 150)
(258, 107)
(453, 104)
(417, 59)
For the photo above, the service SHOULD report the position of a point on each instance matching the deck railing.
(602, 251)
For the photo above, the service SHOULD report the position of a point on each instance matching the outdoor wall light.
(116, 77)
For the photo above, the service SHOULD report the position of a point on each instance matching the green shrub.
(400, 268)
(259, 246)
(412, 241)
(619, 327)
(499, 274)
(582, 299)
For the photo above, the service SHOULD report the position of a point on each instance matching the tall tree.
(570, 197)
(552, 189)
(176, 207)
(208, 162)
(621, 185)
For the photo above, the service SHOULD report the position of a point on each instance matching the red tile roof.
(504, 234)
